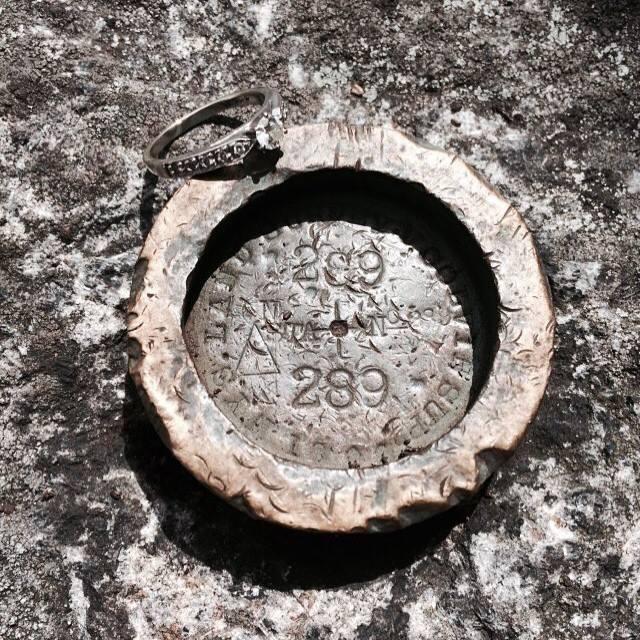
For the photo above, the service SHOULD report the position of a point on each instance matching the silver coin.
(334, 344)
(294, 336)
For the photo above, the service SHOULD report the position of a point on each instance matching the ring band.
(262, 131)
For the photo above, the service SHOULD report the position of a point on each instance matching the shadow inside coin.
(222, 538)
(384, 204)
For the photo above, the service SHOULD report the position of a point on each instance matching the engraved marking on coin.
(310, 377)
(256, 358)
(216, 332)
(339, 328)
(337, 345)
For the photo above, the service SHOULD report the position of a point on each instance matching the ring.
(262, 131)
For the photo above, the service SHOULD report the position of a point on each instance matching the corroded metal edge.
(372, 499)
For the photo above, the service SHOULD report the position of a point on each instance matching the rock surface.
(102, 534)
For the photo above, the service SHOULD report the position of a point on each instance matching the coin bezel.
(343, 500)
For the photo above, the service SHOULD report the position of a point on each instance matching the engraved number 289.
(341, 387)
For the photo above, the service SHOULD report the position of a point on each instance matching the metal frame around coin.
(341, 500)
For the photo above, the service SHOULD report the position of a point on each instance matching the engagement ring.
(262, 132)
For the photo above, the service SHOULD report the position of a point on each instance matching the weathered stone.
(546, 97)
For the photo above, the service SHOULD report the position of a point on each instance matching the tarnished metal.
(333, 344)
(358, 350)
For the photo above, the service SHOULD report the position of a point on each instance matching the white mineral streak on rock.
(561, 31)
(493, 559)
(582, 275)
(630, 560)
(633, 182)
(5, 141)
(586, 620)
(21, 206)
(426, 619)
(74, 554)
(479, 129)
(263, 12)
(298, 77)
(92, 300)
(546, 522)
(181, 46)
(79, 603)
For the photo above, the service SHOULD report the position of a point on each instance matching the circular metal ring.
(370, 498)
(262, 130)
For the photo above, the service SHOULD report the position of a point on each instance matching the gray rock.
(102, 534)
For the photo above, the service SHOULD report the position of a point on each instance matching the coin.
(351, 343)
(335, 344)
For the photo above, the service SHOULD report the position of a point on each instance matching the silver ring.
(262, 132)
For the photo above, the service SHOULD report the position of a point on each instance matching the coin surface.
(334, 344)
(352, 343)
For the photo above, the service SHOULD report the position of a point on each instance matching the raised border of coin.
(341, 500)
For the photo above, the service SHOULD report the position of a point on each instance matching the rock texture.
(102, 534)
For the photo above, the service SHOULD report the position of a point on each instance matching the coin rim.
(341, 500)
